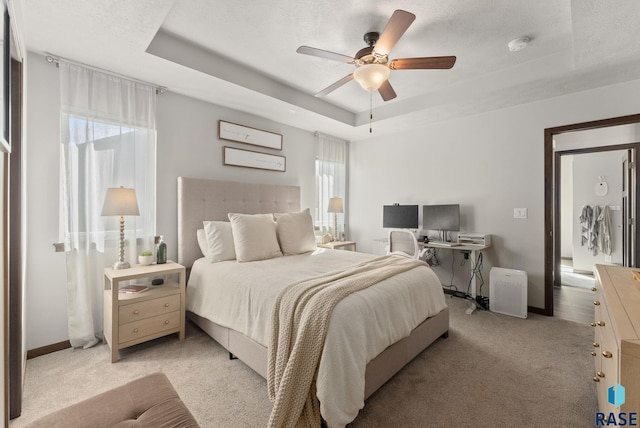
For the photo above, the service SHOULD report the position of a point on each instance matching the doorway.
(595, 190)
(552, 172)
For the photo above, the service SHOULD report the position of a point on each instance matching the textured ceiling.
(241, 54)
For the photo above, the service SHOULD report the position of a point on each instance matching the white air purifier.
(508, 292)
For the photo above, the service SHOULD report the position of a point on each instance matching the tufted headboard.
(204, 199)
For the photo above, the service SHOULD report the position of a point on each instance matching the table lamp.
(335, 207)
(120, 201)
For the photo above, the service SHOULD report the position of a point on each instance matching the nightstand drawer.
(146, 327)
(148, 308)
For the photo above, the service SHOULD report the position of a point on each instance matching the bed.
(245, 332)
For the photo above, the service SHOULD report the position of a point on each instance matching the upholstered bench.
(148, 402)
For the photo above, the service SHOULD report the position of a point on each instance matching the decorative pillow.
(254, 236)
(295, 232)
(219, 241)
(202, 242)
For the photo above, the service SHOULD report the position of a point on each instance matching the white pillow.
(254, 237)
(202, 242)
(219, 241)
(295, 232)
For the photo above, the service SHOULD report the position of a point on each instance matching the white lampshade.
(335, 205)
(120, 201)
(371, 76)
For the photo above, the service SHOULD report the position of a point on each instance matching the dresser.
(130, 319)
(616, 343)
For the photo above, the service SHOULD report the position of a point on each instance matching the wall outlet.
(519, 213)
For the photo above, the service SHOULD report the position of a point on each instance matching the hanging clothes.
(595, 231)
(604, 231)
(586, 222)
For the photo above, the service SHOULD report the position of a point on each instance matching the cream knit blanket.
(299, 324)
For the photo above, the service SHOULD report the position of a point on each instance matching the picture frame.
(230, 131)
(253, 159)
(5, 78)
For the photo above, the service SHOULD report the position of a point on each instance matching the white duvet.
(240, 296)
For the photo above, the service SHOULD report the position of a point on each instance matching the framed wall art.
(252, 159)
(245, 134)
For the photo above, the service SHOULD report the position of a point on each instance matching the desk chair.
(403, 243)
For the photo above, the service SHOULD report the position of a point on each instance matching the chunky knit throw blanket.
(299, 326)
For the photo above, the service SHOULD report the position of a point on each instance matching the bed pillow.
(295, 232)
(219, 238)
(254, 237)
(202, 242)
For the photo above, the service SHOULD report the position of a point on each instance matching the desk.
(339, 244)
(473, 250)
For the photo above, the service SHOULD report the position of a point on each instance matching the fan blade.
(439, 62)
(325, 54)
(335, 86)
(386, 91)
(397, 25)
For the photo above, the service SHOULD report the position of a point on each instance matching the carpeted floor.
(493, 371)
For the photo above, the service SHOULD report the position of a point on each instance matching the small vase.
(161, 255)
(145, 260)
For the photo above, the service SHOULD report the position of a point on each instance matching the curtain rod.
(53, 60)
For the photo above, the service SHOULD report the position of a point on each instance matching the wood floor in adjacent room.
(573, 300)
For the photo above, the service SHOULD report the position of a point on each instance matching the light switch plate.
(519, 213)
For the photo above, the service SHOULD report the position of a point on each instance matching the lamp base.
(121, 265)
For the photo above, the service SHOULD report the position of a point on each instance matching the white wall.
(566, 207)
(187, 146)
(587, 168)
(489, 163)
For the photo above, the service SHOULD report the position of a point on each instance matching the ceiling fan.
(372, 63)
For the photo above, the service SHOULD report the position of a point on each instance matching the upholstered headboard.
(203, 199)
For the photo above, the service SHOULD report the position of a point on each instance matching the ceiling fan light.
(371, 76)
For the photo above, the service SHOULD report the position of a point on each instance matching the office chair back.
(403, 243)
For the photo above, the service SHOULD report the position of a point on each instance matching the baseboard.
(44, 350)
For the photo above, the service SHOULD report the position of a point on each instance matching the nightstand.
(339, 244)
(130, 319)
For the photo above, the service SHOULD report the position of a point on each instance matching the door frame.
(552, 197)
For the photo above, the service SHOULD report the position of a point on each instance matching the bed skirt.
(378, 371)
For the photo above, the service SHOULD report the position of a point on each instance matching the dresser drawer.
(148, 308)
(149, 326)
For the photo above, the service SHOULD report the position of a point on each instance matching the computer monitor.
(444, 218)
(400, 216)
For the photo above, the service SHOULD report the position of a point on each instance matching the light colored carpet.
(493, 371)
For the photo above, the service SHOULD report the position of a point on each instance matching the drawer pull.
(593, 324)
(600, 323)
(166, 322)
(597, 303)
(600, 374)
(607, 354)
(593, 353)
(596, 379)
(594, 289)
(166, 305)
(596, 345)
(135, 330)
(136, 312)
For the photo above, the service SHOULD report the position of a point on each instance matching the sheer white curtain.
(331, 178)
(108, 139)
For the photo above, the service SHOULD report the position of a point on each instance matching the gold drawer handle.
(600, 374)
(136, 312)
(593, 324)
(594, 289)
(600, 323)
(166, 322)
(166, 305)
(597, 303)
(593, 353)
(596, 379)
(596, 345)
(135, 330)
(607, 354)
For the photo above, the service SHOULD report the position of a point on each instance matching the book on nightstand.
(132, 289)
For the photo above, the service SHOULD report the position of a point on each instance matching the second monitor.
(443, 218)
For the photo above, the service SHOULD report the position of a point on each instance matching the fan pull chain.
(370, 110)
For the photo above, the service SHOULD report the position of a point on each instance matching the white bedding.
(240, 296)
